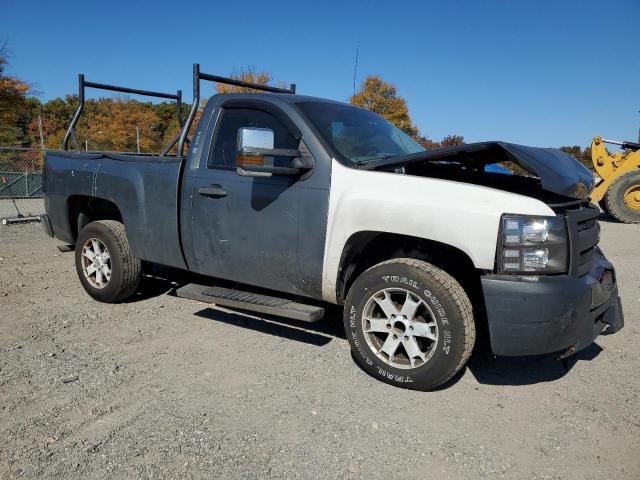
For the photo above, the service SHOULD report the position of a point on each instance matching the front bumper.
(544, 314)
(46, 225)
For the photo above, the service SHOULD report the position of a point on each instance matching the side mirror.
(255, 152)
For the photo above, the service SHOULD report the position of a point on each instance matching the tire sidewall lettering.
(363, 350)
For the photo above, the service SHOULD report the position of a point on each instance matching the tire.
(623, 198)
(603, 206)
(120, 279)
(441, 325)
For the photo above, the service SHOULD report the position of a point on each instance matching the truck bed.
(144, 188)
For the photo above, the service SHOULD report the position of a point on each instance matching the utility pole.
(86, 145)
(138, 138)
(355, 68)
(40, 131)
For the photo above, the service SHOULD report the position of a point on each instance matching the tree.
(55, 116)
(112, 126)
(14, 104)
(452, 140)
(167, 120)
(381, 97)
(426, 142)
(248, 75)
(448, 141)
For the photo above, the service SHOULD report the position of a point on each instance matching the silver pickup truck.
(304, 201)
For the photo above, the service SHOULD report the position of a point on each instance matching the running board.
(226, 297)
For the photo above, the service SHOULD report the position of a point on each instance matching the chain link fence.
(20, 184)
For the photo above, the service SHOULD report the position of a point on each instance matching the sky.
(541, 73)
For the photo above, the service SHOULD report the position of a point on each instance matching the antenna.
(355, 69)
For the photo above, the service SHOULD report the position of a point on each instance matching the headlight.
(533, 245)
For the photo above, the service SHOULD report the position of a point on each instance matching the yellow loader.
(618, 191)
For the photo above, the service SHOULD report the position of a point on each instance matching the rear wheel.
(409, 324)
(623, 198)
(106, 267)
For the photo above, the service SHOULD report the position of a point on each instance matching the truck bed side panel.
(66, 176)
(143, 188)
(146, 194)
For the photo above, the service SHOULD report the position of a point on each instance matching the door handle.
(214, 191)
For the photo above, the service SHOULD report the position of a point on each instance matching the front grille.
(582, 226)
(586, 256)
(586, 225)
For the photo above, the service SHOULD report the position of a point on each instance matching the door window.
(223, 154)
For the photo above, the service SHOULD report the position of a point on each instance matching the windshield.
(356, 134)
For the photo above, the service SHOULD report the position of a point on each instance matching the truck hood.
(558, 172)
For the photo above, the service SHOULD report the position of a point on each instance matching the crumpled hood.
(558, 172)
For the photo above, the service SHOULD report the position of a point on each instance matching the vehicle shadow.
(151, 287)
(606, 218)
(486, 368)
(160, 280)
(491, 370)
(317, 334)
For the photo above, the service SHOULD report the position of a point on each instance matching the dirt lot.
(163, 387)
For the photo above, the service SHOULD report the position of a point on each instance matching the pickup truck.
(298, 202)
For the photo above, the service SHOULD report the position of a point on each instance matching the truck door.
(245, 229)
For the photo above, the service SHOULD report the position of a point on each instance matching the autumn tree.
(14, 104)
(59, 111)
(55, 116)
(448, 141)
(452, 141)
(112, 126)
(426, 142)
(249, 75)
(168, 123)
(381, 97)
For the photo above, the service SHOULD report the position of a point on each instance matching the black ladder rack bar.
(240, 83)
(197, 76)
(135, 91)
(83, 84)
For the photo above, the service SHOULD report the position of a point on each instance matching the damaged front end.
(538, 314)
(548, 174)
(533, 310)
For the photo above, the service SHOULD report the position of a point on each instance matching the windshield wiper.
(384, 156)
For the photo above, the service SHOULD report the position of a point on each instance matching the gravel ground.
(163, 387)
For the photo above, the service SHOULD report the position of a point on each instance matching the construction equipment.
(618, 191)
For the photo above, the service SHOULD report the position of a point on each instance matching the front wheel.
(106, 267)
(409, 323)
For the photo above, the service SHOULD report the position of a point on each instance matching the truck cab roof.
(276, 98)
